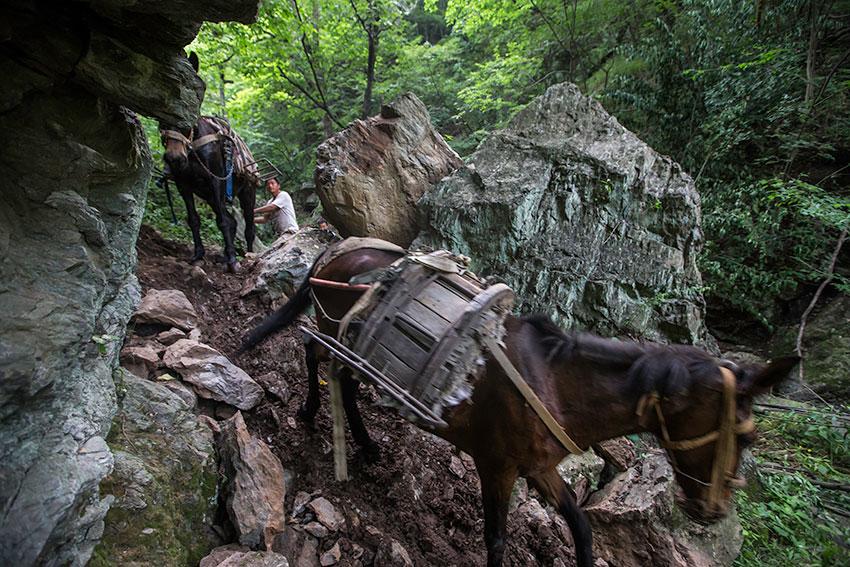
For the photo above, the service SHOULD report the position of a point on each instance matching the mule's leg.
(247, 198)
(227, 224)
(193, 219)
(308, 410)
(350, 386)
(496, 485)
(561, 496)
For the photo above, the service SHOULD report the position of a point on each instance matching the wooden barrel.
(422, 331)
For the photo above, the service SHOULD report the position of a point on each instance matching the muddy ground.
(410, 494)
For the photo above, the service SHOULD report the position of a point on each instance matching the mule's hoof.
(233, 267)
(371, 453)
(307, 417)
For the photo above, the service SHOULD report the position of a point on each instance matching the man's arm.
(262, 219)
(266, 209)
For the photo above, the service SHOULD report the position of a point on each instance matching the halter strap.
(204, 140)
(722, 474)
(187, 141)
(177, 136)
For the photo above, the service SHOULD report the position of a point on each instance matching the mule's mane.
(666, 369)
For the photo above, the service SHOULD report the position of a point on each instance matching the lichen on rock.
(581, 218)
(164, 482)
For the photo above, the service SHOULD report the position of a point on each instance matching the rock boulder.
(279, 270)
(75, 167)
(168, 308)
(370, 176)
(581, 218)
(164, 481)
(255, 487)
(212, 374)
(635, 522)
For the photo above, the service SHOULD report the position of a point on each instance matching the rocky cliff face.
(73, 176)
(581, 218)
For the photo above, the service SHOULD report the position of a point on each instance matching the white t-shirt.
(283, 219)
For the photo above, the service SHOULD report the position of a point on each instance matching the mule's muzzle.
(176, 160)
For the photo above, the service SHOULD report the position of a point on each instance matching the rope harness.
(722, 471)
(192, 147)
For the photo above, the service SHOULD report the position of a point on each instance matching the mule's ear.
(193, 60)
(760, 381)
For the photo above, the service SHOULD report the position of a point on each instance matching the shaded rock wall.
(370, 176)
(164, 482)
(581, 218)
(73, 176)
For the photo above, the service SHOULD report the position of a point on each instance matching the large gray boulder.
(636, 522)
(164, 482)
(370, 176)
(68, 226)
(74, 170)
(581, 218)
(279, 270)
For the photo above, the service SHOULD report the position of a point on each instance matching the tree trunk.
(222, 98)
(370, 71)
(811, 53)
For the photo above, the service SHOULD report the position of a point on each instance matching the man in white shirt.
(279, 210)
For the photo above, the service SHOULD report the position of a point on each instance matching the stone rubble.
(139, 360)
(326, 513)
(168, 308)
(213, 375)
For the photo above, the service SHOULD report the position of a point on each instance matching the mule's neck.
(596, 404)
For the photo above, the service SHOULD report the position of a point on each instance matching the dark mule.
(197, 161)
(595, 388)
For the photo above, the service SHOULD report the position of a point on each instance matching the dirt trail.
(410, 494)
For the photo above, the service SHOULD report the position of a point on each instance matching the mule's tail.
(281, 318)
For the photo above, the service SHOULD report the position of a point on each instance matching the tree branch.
(320, 104)
(830, 274)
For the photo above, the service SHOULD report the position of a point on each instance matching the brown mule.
(197, 162)
(595, 388)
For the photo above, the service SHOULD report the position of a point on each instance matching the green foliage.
(789, 520)
(725, 87)
(767, 236)
(784, 526)
(103, 342)
(158, 215)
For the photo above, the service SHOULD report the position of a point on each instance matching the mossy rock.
(164, 482)
(826, 348)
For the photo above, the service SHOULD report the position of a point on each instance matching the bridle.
(192, 146)
(722, 471)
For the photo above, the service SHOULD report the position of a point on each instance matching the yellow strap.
(724, 456)
(204, 140)
(532, 399)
